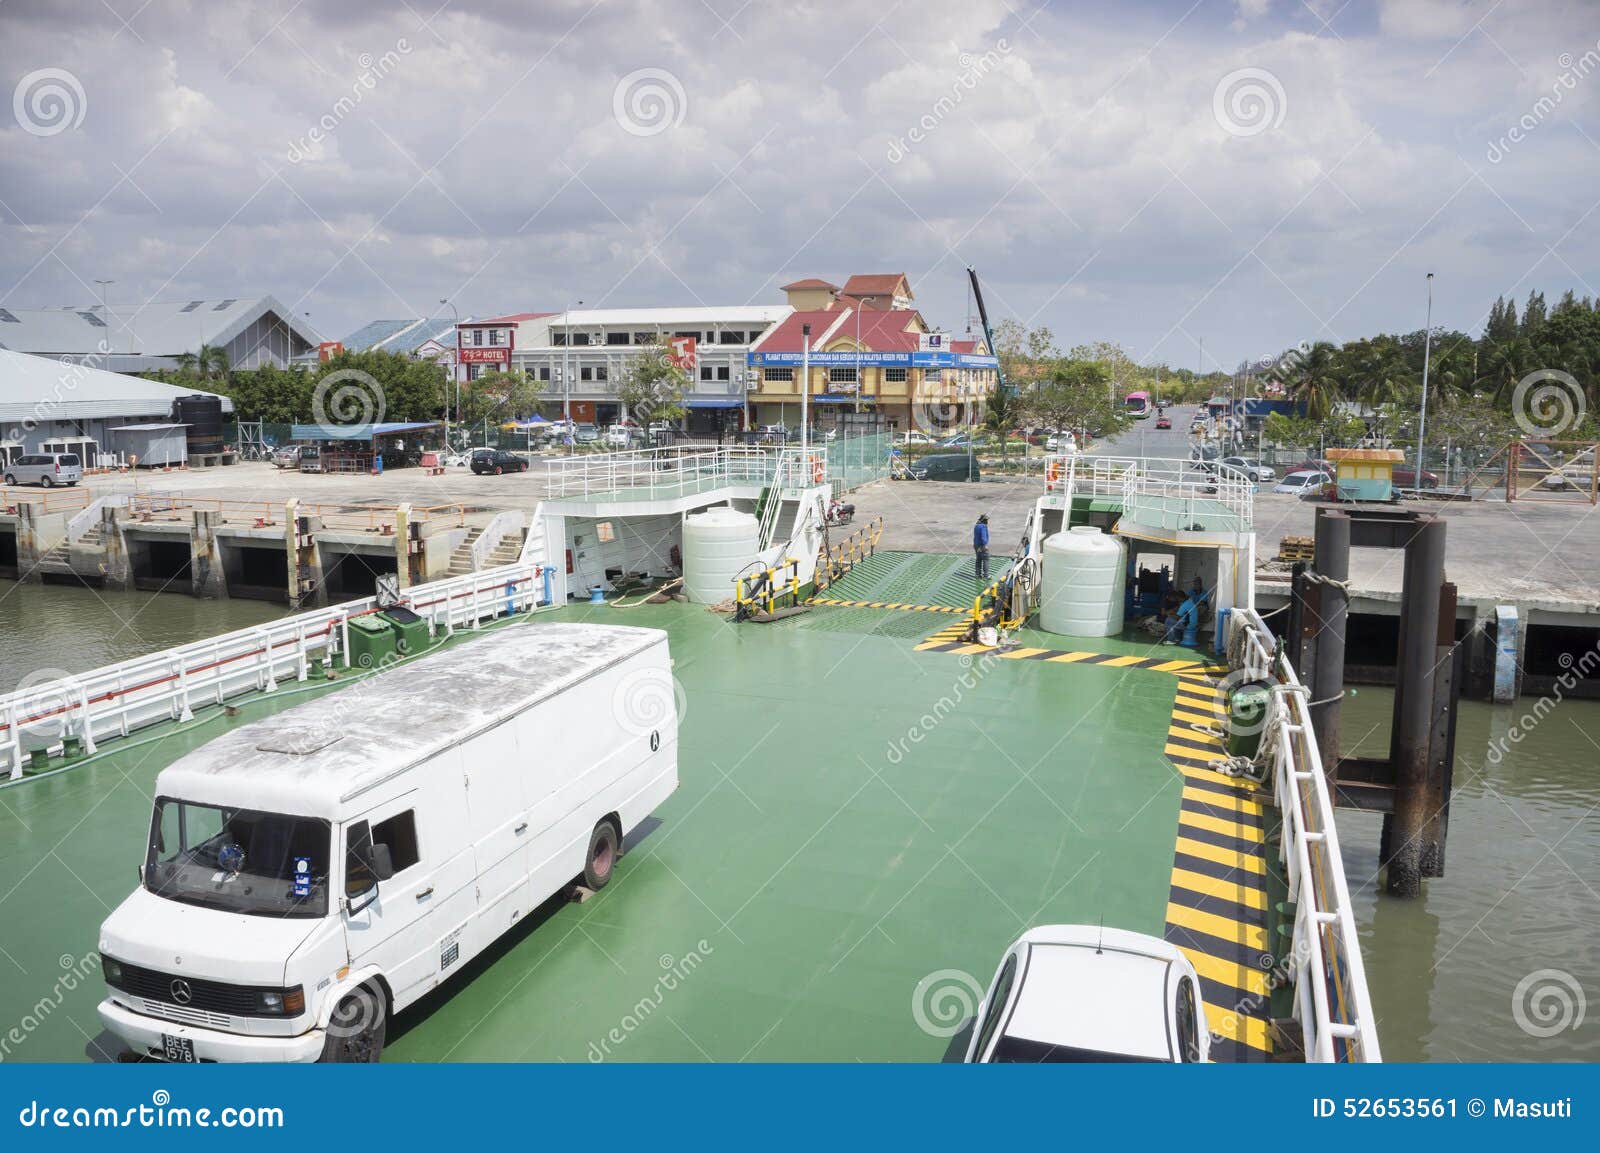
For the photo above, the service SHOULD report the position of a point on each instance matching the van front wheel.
(356, 1030)
(602, 858)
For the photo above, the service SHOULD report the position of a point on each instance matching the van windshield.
(239, 860)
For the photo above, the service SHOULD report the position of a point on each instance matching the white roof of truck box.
(315, 757)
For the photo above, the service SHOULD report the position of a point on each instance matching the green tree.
(1076, 395)
(210, 363)
(1314, 381)
(498, 397)
(652, 386)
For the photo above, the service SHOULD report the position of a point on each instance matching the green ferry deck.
(869, 814)
(871, 809)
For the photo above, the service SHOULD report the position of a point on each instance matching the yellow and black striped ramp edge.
(1217, 908)
(887, 605)
(948, 640)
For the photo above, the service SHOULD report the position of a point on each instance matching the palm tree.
(1315, 379)
(1001, 415)
(209, 363)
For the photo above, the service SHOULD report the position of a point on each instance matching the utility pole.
(805, 391)
(1422, 419)
(455, 373)
(105, 313)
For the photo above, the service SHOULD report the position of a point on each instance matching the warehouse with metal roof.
(152, 336)
(48, 402)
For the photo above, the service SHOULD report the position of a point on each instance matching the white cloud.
(486, 164)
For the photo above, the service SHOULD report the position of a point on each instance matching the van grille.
(204, 996)
(187, 1016)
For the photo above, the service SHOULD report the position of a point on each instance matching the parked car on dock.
(45, 468)
(287, 457)
(1255, 470)
(1303, 484)
(945, 466)
(1082, 993)
(585, 434)
(495, 461)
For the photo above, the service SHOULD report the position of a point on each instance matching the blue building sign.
(873, 359)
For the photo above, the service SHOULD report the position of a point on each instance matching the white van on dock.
(312, 873)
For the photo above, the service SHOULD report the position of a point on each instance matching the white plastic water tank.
(1084, 575)
(717, 545)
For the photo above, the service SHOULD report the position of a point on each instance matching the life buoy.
(1052, 472)
(817, 470)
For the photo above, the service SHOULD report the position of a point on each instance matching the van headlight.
(281, 1002)
(111, 970)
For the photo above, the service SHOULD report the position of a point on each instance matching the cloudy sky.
(1155, 172)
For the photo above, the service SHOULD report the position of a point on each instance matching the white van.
(310, 874)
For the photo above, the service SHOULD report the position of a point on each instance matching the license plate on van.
(180, 1049)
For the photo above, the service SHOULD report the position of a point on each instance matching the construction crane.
(988, 333)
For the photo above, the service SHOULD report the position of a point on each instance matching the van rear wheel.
(602, 859)
(356, 1030)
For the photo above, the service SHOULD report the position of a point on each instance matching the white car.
(1303, 483)
(1064, 443)
(1077, 993)
(917, 438)
(1259, 473)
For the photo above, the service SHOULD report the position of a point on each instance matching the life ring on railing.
(818, 470)
(1052, 473)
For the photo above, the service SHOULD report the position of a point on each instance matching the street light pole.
(805, 390)
(1422, 420)
(455, 373)
(105, 313)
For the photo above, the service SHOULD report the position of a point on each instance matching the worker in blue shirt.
(980, 546)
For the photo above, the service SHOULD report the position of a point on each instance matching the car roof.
(1120, 1004)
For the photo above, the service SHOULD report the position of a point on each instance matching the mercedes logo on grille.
(181, 993)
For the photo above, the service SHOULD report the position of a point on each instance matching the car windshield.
(238, 860)
(1020, 1050)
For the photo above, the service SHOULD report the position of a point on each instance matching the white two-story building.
(581, 355)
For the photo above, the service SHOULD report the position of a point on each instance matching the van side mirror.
(379, 861)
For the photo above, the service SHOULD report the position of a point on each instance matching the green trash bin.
(410, 630)
(1247, 714)
(372, 642)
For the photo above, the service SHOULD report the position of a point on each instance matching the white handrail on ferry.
(117, 699)
(669, 471)
(1179, 491)
(1331, 999)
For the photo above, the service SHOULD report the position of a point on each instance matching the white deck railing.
(1331, 1001)
(658, 473)
(168, 686)
(1160, 493)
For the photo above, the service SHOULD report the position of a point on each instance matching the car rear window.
(70, 458)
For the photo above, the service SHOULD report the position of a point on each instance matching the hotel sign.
(499, 354)
(681, 352)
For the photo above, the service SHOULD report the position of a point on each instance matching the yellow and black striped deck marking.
(948, 640)
(910, 608)
(1217, 907)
